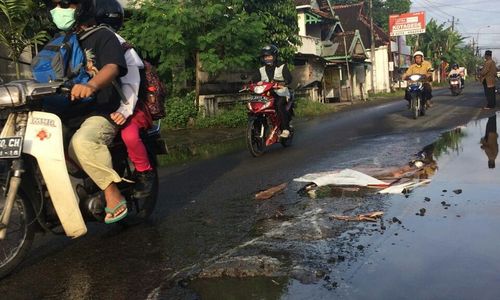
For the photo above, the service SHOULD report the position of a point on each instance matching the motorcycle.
(455, 85)
(263, 129)
(415, 89)
(42, 189)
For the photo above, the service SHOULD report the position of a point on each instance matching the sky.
(474, 19)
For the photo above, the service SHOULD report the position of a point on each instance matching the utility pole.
(372, 40)
(453, 23)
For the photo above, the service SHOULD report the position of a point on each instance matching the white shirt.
(131, 81)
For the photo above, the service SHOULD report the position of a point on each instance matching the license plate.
(11, 147)
(258, 98)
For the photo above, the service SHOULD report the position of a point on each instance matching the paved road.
(207, 207)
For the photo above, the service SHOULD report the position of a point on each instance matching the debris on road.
(343, 177)
(403, 188)
(269, 193)
(369, 217)
(421, 212)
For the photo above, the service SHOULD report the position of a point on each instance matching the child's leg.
(135, 147)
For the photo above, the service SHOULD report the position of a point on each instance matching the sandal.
(116, 218)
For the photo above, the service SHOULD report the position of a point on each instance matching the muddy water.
(439, 241)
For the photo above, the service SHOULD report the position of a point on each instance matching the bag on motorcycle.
(152, 92)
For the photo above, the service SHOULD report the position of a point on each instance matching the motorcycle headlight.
(259, 89)
(415, 77)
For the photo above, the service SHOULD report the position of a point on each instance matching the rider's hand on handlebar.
(82, 91)
(118, 118)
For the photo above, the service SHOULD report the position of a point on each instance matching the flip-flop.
(117, 218)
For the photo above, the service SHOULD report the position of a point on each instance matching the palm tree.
(17, 28)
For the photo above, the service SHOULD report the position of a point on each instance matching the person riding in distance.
(273, 70)
(420, 67)
(455, 70)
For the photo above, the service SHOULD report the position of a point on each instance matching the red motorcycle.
(263, 128)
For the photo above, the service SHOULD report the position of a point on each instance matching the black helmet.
(454, 66)
(269, 50)
(85, 13)
(109, 12)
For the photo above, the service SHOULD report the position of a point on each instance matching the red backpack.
(152, 92)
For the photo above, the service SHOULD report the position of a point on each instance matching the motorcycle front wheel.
(415, 106)
(255, 136)
(20, 234)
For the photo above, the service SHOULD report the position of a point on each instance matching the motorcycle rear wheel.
(140, 209)
(255, 143)
(20, 234)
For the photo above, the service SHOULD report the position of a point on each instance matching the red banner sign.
(405, 24)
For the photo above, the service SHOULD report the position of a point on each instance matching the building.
(352, 18)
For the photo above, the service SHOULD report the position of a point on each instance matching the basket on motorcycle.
(12, 94)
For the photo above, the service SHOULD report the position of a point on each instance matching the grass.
(306, 108)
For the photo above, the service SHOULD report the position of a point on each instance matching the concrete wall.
(382, 75)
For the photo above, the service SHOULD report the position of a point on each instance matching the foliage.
(20, 27)
(179, 111)
(229, 118)
(442, 43)
(219, 31)
(382, 9)
(223, 34)
(280, 19)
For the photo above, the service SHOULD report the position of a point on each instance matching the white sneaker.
(285, 134)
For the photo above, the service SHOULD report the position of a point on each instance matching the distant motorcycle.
(263, 127)
(455, 85)
(415, 89)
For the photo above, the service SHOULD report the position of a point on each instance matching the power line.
(437, 4)
(437, 8)
(460, 3)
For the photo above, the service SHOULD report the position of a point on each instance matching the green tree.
(280, 19)
(213, 35)
(442, 43)
(19, 28)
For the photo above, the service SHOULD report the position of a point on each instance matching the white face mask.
(64, 18)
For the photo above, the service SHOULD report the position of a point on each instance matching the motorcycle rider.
(133, 117)
(455, 70)
(94, 123)
(273, 70)
(421, 67)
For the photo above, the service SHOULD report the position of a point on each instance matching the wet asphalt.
(207, 221)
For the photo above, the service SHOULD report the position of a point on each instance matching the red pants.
(135, 147)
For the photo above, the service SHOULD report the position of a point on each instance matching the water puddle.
(435, 239)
